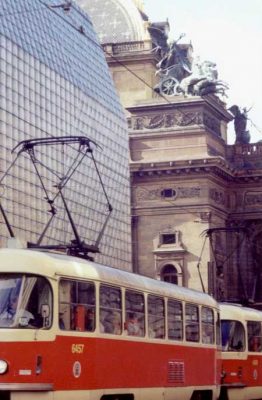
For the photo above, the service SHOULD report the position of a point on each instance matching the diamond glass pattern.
(55, 82)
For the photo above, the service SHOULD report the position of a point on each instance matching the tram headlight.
(3, 367)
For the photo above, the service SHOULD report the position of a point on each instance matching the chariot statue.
(204, 80)
(178, 75)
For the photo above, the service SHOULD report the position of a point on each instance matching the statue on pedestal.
(240, 124)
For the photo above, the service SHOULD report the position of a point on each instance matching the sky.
(228, 32)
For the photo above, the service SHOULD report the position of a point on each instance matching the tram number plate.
(77, 348)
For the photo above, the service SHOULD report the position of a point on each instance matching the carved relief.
(253, 199)
(145, 194)
(157, 121)
(217, 197)
(188, 192)
(167, 120)
(189, 118)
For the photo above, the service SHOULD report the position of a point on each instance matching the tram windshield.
(233, 335)
(25, 301)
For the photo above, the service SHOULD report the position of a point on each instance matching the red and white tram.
(72, 329)
(241, 353)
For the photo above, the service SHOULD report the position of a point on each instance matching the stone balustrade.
(250, 149)
(127, 47)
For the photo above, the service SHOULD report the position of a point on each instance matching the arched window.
(169, 274)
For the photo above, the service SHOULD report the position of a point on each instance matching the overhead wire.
(255, 126)
(198, 265)
(106, 52)
(49, 7)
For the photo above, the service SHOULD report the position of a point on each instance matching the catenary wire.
(109, 54)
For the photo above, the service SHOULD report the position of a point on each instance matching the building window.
(169, 274)
(168, 193)
(168, 238)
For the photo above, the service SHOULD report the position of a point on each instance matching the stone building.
(196, 201)
(55, 82)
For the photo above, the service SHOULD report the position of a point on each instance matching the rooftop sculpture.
(240, 124)
(203, 80)
(176, 70)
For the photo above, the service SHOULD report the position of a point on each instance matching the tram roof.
(238, 312)
(54, 265)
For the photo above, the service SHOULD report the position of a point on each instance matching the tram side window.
(254, 335)
(110, 310)
(25, 301)
(192, 323)
(135, 313)
(208, 328)
(156, 317)
(233, 335)
(76, 305)
(175, 320)
(39, 301)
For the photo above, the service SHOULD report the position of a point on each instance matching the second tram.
(241, 353)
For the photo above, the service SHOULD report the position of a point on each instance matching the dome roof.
(116, 21)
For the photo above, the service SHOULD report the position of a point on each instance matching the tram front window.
(233, 335)
(25, 301)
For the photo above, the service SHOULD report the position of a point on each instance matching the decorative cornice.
(145, 193)
(182, 103)
(211, 165)
(217, 166)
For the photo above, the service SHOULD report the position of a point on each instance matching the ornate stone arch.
(170, 271)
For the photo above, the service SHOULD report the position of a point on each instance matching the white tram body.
(241, 352)
(72, 329)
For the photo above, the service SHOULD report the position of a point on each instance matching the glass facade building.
(55, 82)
